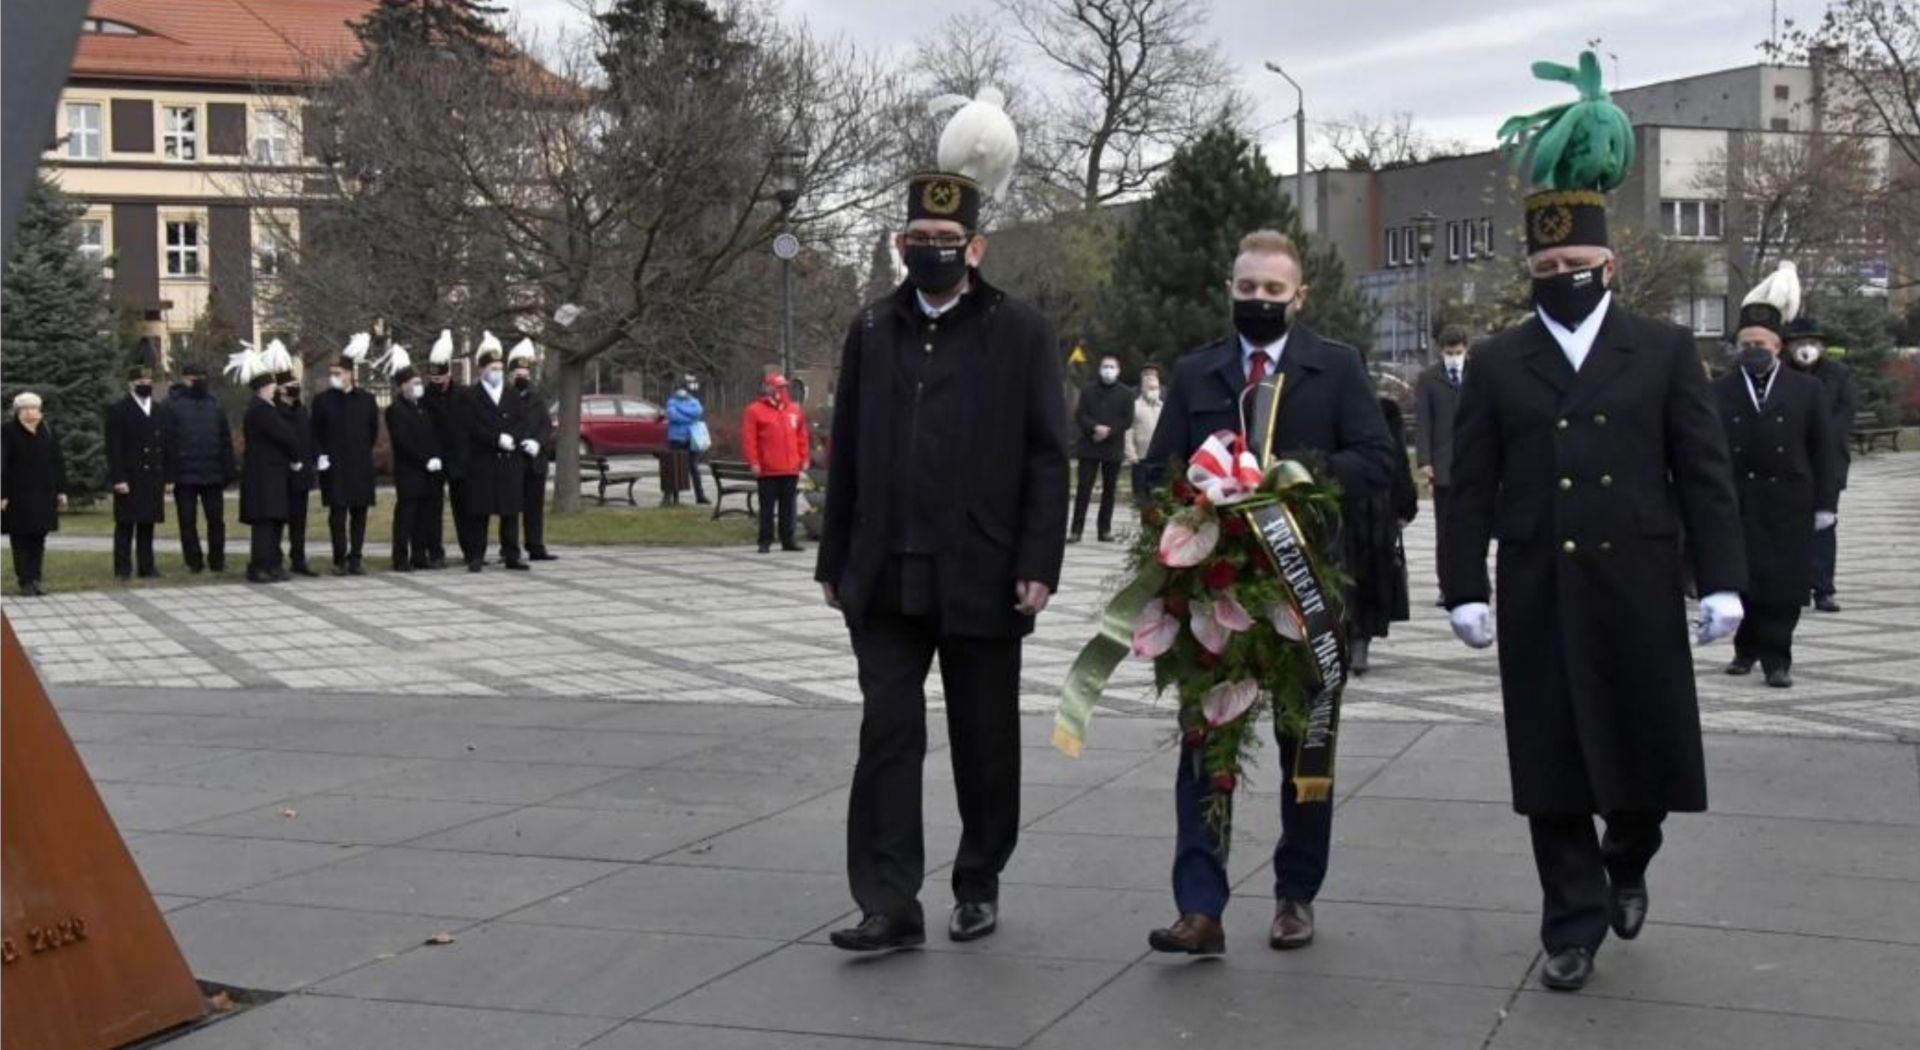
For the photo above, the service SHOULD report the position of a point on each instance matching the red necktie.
(1257, 368)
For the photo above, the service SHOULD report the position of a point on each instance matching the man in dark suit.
(1807, 351)
(417, 466)
(346, 426)
(1328, 409)
(944, 535)
(1102, 417)
(1786, 468)
(494, 422)
(137, 465)
(1436, 397)
(266, 499)
(1586, 437)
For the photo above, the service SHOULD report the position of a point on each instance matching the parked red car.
(616, 424)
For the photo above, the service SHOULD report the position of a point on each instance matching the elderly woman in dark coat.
(1375, 558)
(33, 488)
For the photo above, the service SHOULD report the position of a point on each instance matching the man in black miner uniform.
(201, 446)
(1586, 437)
(442, 404)
(137, 463)
(534, 479)
(1102, 418)
(494, 421)
(943, 538)
(300, 480)
(1436, 398)
(346, 425)
(1786, 467)
(416, 462)
(1807, 351)
(266, 498)
(1328, 408)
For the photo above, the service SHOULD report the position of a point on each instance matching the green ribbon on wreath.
(1087, 678)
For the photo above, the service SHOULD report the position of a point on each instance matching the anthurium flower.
(1229, 700)
(1188, 540)
(1153, 636)
(1287, 622)
(1231, 614)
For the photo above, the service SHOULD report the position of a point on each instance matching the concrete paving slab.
(427, 882)
(283, 947)
(348, 819)
(772, 905)
(697, 791)
(584, 834)
(307, 1022)
(1052, 922)
(476, 780)
(137, 761)
(154, 807)
(653, 1035)
(781, 844)
(209, 866)
(1542, 1020)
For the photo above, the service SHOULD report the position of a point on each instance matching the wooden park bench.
(1867, 434)
(597, 470)
(733, 478)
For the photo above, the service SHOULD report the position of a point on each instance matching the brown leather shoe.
(1292, 925)
(1192, 935)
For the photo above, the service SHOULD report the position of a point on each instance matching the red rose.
(1208, 660)
(1197, 737)
(1221, 575)
(1235, 525)
(1224, 783)
(1177, 604)
(1152, 517)
(1182, 491)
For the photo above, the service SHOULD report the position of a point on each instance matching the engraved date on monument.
(40, 939)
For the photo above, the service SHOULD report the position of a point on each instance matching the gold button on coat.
(1569, 546)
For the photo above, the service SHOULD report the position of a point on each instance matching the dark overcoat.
(495, 477)
(1435, 403)
(444, 407)
(1843, 400)
(1585, 479)
(997, 428)
(273, 446)
(299, 482)
(1376, 558)
(537, 425)
(415, 440)
(1107, 405)
(33, 474)
(1786, 465)
(137, 458)
(346, 425)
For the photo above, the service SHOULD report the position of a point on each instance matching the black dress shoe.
(972, 920)
(303, 569)
(1567, 970)
(1292, 925)
(217, 566)
(1740, 665)
(122, 577)
(1357, 654)
(542, 555)
(149, 574)
(339, 569)
(256, 576)
(791, 547)
(1106, 537)
(766, 548)
(518, 566)
(1193, 934)
(402, 566)
(280, 576)
(1627, 911)
(1825, 603)
(1073, 537)
(475, 566)
(195, 570)
(436, 563)
(1780, 678)
(355, 568)
(879, 933)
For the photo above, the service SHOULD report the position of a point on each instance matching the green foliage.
(1863, 329)
(56, 333)
(1170, 278)
(395, 25)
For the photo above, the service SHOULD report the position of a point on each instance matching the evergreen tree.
(1170, 281)
(687, 32)
(56, 333)
(393, 27)
(880, 278)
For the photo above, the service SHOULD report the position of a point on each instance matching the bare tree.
(1141, 78)
(1812, 198)
(1369, 142)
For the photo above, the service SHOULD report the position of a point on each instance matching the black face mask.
(1571, 297)
(1260, 321)
(521, 383)
(292, 394)
(197, 386)
(143, 389)
(935, 270)
(1756, 360)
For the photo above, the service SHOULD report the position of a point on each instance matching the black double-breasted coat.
(537, 423)
(273, 446)
(992, 427)
(137, 458)
(33, 475)
(346, 425)
(1585, 479)
(415, 441)
(494, 476)
(1786, 466)
(299, 482)
(445, 407)
(1107, 405)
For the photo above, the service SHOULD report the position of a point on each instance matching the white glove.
(1473, 624)
(1720, 616)
(433, 465)
(506, 443)
(530, 447)
(323, 463)
(296, 467)
(1824, 519)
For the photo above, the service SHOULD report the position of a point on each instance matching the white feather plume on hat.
(394, 360)
(1780, 290)
(979, 140)
(276, 358)
(522, 351)
(442, 352)
(244, 365)
(357, 347)
(489, 349)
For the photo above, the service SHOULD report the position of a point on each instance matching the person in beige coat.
(1146, 416)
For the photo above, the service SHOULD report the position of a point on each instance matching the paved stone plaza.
(619, 783)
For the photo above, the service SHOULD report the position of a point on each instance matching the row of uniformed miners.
(482, 443)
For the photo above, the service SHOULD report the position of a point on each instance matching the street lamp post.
(786, 172)
(1424, 223)
(1299, 142)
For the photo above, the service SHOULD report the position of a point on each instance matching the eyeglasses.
(916, 239)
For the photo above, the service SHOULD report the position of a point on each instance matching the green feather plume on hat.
(1583, 145)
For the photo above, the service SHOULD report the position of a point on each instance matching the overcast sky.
(1459, 66)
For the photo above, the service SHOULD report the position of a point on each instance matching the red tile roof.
(220, 41)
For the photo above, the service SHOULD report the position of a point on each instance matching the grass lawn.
(69, 571)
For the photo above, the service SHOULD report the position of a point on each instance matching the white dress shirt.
(1273, 351)
(936, 312)
(1576, 342)
(145, 403)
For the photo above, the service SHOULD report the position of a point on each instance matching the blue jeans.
(1200, 861)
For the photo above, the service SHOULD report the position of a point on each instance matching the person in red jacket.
(777, 443)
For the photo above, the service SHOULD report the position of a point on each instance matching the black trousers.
(1440, 494)
(433, 513)
(886, 854)
(509, 538)
(133, 541)
(1826, 556)
(347, 547)
(778, 494)
(1109, 473)
(410, 529)
(264, 555)
(29, 556)
(534, 492)
(1576, 869)
(212, 499)
(1766, 634)
(297, 503)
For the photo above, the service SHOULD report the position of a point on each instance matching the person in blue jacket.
(683, 411)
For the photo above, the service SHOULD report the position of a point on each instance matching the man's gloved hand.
(1473, 624)
(506, 442)
(530, 447)
(1824, 520)
(296, 467)
(433, 465)
(1720, 616)
(324, 463)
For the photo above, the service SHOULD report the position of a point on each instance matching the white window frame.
(77, 136)
(1454, 239)
(279, 148)
(197, 251)
(179, 146)
(95, 250)
(271, 240)
(1710, 315)
(1486, 237)
(1393, 247)
(1677, 214)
